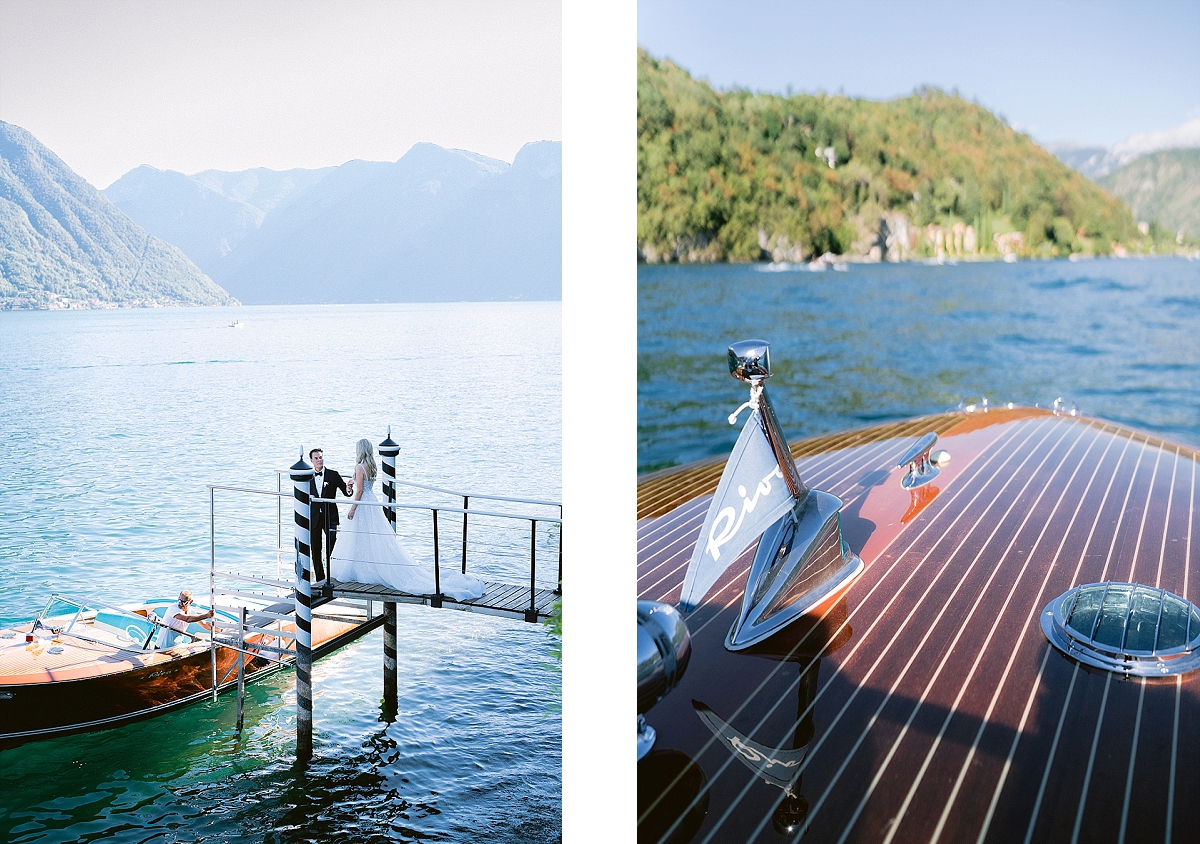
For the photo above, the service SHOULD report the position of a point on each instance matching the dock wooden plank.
(506, 599)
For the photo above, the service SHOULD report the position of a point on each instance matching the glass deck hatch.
(1131, 628)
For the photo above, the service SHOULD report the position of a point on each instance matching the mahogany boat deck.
(924, 703)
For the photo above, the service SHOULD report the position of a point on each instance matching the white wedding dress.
(369, 551)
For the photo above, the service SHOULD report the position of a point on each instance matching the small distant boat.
(85, 665)
(825, 262)
(237, 323)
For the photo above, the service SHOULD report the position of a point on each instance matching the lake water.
(1121, 338)
(115, 423)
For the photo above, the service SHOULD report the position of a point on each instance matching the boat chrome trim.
(804, 544)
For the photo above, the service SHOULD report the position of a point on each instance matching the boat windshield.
(100, 622)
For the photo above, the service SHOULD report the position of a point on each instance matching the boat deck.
(924, 703)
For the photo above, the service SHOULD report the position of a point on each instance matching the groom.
(323, 533)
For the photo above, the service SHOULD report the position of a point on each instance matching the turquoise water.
(879, 342)
(115, 423)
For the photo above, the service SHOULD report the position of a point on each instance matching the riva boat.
(84, 665)
(975, 626)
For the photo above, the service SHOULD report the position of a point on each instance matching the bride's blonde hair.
(364, 453)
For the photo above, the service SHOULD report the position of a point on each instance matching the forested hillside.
(741, 177)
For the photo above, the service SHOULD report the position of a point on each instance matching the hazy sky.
(1091, 72)
(191, 85)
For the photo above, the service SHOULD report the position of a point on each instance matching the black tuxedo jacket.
(326, 515)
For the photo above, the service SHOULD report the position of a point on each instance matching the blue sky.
(1063, 71)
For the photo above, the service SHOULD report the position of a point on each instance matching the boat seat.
(135, 629)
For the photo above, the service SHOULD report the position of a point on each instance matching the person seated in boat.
(177, 619)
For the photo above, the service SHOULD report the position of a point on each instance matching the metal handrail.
(282, 472)
(350, 502)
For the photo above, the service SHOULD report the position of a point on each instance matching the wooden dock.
(271, 615)
(500, 599)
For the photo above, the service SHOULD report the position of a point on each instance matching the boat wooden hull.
(924, 702)
(117, 687)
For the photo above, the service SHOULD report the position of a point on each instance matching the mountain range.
(63, 244)
(436, 225)
(1156, 173)
(1098, 162)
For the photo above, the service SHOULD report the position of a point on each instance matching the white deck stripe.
(1137, 728)
(1034, 608)
(1187, 563)
(983, 547)
(1137, 546)
(997, 449)
(987, 819)
(1087, 774)
(667, 524)
(1124, 510)
(1187, 558)
(1174, 756)
(1162, 549)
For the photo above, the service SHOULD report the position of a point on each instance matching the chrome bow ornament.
(801, 557)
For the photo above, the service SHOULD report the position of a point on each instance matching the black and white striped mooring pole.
(388, 450)
(301, 474)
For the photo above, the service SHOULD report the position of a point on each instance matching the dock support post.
(301, 478)
(388, 450)
(531, 613)
(241, 657)
(389, 661)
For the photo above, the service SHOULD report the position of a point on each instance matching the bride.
(369, 551)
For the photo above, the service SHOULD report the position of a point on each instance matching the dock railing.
(507, 539)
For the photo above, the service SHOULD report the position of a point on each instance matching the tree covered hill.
(741, 176)
(1162, 187)
(62, 243)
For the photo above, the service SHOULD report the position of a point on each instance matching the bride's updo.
(364, 453)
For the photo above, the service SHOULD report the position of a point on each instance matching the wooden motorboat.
(956, 688)
(84, 665)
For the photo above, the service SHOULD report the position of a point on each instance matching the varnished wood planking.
(1098, 498)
